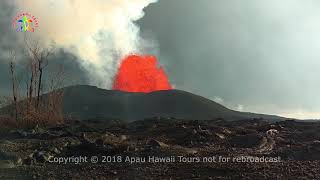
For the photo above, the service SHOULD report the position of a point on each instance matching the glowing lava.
(141, 74)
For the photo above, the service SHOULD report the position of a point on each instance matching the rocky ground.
(214, 149)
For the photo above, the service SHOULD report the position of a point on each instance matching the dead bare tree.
(31, 84)
(35, 110)
(42, 63)
(48, 109)
(14, 84)
(38, 62)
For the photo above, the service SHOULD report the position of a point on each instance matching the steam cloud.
(99, 32)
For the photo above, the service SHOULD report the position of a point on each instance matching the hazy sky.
(252, 55)
(261, 56)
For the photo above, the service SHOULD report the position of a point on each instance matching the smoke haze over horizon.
(258, 56)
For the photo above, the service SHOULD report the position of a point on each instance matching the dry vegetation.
(29, 105)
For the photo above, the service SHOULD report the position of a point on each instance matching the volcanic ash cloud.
(99, 32)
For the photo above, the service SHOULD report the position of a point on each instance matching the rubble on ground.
(28, 152)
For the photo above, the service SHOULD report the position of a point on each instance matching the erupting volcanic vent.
(141, 74)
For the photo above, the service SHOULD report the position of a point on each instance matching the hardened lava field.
(24, 153)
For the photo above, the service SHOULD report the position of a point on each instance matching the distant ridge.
(89, 102)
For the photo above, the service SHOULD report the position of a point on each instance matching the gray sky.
(251, 55)
(261, 56)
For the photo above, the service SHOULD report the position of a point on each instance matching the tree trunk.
(39, 84)
(14, 91)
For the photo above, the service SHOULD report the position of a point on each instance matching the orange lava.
(141, 74)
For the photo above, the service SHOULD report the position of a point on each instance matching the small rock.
(84, 138)
(23, 133)
(316, 142)
(54, 150)
(28, 161)
(38, 130)
(194, 132)
(19, 162)
(227, 131)
(272, 132)
(41, 156)
(109, 134)
(155, 143)
(114, 172)
(221, 136)
(123, 137)
(191, 151)
(204, 131)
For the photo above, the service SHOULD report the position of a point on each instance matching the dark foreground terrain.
(291, 148)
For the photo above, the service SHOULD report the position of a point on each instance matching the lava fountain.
(141, 74)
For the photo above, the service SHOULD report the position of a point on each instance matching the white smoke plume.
(99, 32)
